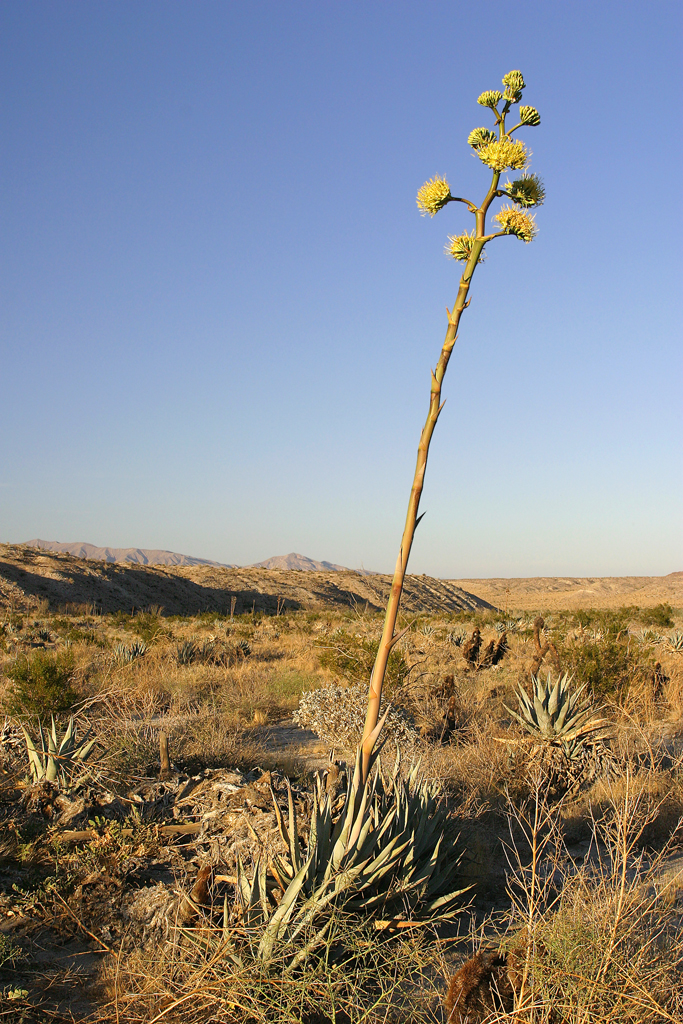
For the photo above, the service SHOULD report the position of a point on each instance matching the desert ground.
(135, 890)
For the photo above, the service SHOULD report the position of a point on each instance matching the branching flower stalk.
(499, 151)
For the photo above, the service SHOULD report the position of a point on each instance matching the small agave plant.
(553, 714)
(126, 654)
(674, 643)
(57, 760)
(381, 852)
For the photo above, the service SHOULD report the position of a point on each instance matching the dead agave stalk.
(498, 151)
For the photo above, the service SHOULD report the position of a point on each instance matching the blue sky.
(220, 305)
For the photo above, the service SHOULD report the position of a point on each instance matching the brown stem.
(164, 759)
(435, 405)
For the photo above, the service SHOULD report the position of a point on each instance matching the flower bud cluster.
(526, 191)
(491, 98)
(480, 137)
(529, 116)
(514, 83)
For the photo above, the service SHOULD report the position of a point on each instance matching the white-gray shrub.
(337, 715)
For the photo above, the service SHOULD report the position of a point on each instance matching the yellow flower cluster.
(516, 222)
(460, 247)
(433, 195)
(504, 154)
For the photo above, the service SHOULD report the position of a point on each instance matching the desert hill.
(554, 593)
(29, 576)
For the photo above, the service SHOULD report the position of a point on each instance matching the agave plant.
(125, 654)
(186, 652)
(555, 715)
(381, 852)
(57, 759)
(648, 637)
(675, 642)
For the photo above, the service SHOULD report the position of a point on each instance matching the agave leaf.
(281, 871)
(529, 726)
(541, 714)
(244, 889)
(414, 773)
(444, 901)
(226, 929)
(84, 751)
(308, 948)
(354, 808)
(582, 733)
(284, 834)
(294, 845)
(563, 715)
(51, 770)
(359, 849)
(424, 839)
(52, 748)
(314, 906)
(420, 879)
(263, 895)
(384, 861)
(553, 700)
(372, 738)
(69, 738)
(360, 817)
(35, 762)
(284, 911)
(571, 704)
(524, 699)
(324, 839)
(350, 799)
(443, 875)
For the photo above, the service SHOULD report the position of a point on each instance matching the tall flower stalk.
(498, 150)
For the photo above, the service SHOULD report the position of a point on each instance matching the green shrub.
(660, 615)
(9, 953)
(608, 666)
(612, 619)
(144, 625)
(42, 685)
(616, 619)
(352, 658)
(77, 633)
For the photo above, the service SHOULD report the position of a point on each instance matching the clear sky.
(220, 305)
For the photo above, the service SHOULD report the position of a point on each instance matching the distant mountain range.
(148, 556)
(139, 556)
(301, 562)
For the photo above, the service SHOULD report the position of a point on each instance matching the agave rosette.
(556, 715)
